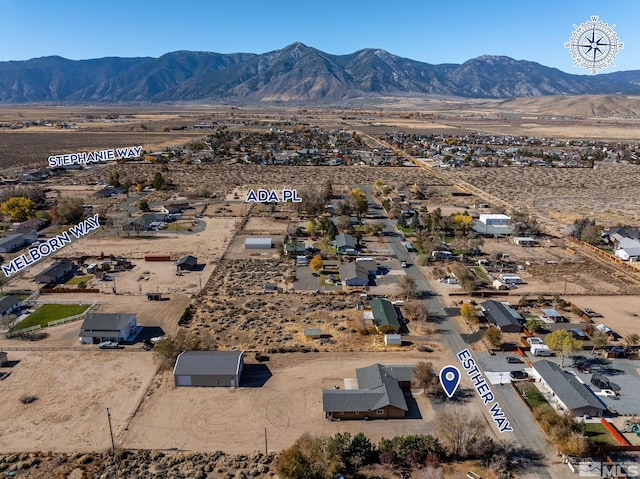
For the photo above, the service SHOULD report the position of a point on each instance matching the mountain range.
(296, 73)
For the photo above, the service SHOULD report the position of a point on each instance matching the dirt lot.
(73, 390)
(287, 405)
(554, 269)
(610, 194)
(207, 246)
(620, 313)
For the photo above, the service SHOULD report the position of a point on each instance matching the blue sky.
(425, 30)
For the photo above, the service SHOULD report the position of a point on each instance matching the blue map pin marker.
(450, 379)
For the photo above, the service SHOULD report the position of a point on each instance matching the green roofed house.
(379, 394)
(384, 314)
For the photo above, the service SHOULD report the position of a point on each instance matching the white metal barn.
(258, 243)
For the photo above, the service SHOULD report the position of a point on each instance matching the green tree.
(332, 231)
(354, 452)
(144, 205)
(535, 325)
(494, 337)
(402, 222)
(562, 343)
(18, 208)
(114, 179)
(415, 223)
(599, 339)
(158, 181)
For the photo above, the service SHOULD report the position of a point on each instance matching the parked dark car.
(513, 359)
(519, 375)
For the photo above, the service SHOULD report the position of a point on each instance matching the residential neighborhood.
(331, 315)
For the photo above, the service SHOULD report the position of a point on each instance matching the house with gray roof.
(357, 273)
(627, 249)
(145, 222)
(502, 316)
(60, 270)
(12, 243)
(384, 315)
(379, 394)
(567, 391)
(187, 262)
(345, 243)
(209, 368)
(99, 327)
(8, 305)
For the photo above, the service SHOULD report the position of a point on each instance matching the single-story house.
(99, 327)
(145, 222)
(345, 243)
(209, 368)
(569, 393)
(356, 273)
(524, 241)
(503, 316)
(627, 249)
(60, 270)
(187, 262)
(258, 243)
(174, 208)
(379, 394)
(108, 192)
(40, 174)
(8, 305)
(12, 243)
(551, 315)
(496, 219)
(295, 248)
(384, 314)
(30, 225)
(493, 225)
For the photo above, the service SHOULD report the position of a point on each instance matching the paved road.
(525, 433)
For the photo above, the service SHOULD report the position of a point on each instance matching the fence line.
(22, 331)
(40, 302)
(70, 348)
(56, 322)
(68, 319)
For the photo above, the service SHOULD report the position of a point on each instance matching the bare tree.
(425, 377)
(459, 432)
(408, 287)
(416, 311)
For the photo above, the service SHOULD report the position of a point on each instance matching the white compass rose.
(594, 45)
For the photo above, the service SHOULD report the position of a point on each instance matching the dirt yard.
(287, 405)
(73, 391)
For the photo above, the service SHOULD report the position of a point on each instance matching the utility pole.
(266, 449)
(113, 445)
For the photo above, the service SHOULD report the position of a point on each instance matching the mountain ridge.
(296, 73)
